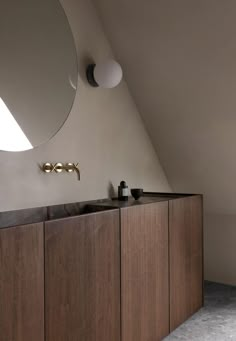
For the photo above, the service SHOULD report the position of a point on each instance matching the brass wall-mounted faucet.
(60, 167)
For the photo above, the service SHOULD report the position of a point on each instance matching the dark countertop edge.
(53, 212)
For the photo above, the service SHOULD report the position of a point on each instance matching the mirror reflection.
(38, 72)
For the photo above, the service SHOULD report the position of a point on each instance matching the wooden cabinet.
(186, 258)
(144, 272)
(22, 283)
(82, 269)
(128, 271)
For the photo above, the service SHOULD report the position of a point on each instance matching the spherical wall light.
(107, 74)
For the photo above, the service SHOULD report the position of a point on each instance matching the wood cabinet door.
(144, 272)
(186, 258)
(82, 262)
(22, 283)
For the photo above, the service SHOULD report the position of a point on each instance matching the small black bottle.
(123, 192)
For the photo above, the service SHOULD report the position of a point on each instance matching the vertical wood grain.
(144, 272)
(83, 278)
(186, 258)
(22, 283)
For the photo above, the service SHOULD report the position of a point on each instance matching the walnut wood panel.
(22, 283)
(144, 272)
(186, 258)
(82, 257)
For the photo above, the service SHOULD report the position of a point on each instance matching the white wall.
(220, 253)
(104, 133)
(180, 64)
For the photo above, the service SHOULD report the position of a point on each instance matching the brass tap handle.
(58, 167)
(47, 167)
(69, 167)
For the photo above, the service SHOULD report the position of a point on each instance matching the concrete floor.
(215, 322)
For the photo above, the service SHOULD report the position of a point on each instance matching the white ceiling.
(179, 59)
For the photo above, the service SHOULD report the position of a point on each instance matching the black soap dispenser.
(123, 191)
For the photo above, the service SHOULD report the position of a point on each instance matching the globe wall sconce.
(107, 74)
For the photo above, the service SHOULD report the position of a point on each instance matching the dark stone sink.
(39, 214)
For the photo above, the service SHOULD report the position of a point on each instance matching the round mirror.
(38, 72)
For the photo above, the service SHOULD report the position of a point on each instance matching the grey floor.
(215, 322)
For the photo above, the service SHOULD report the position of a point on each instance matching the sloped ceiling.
(179, 59)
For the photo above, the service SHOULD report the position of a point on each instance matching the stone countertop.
(147, 198)
(40, 214)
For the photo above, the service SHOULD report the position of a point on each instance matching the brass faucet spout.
(72, 167)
